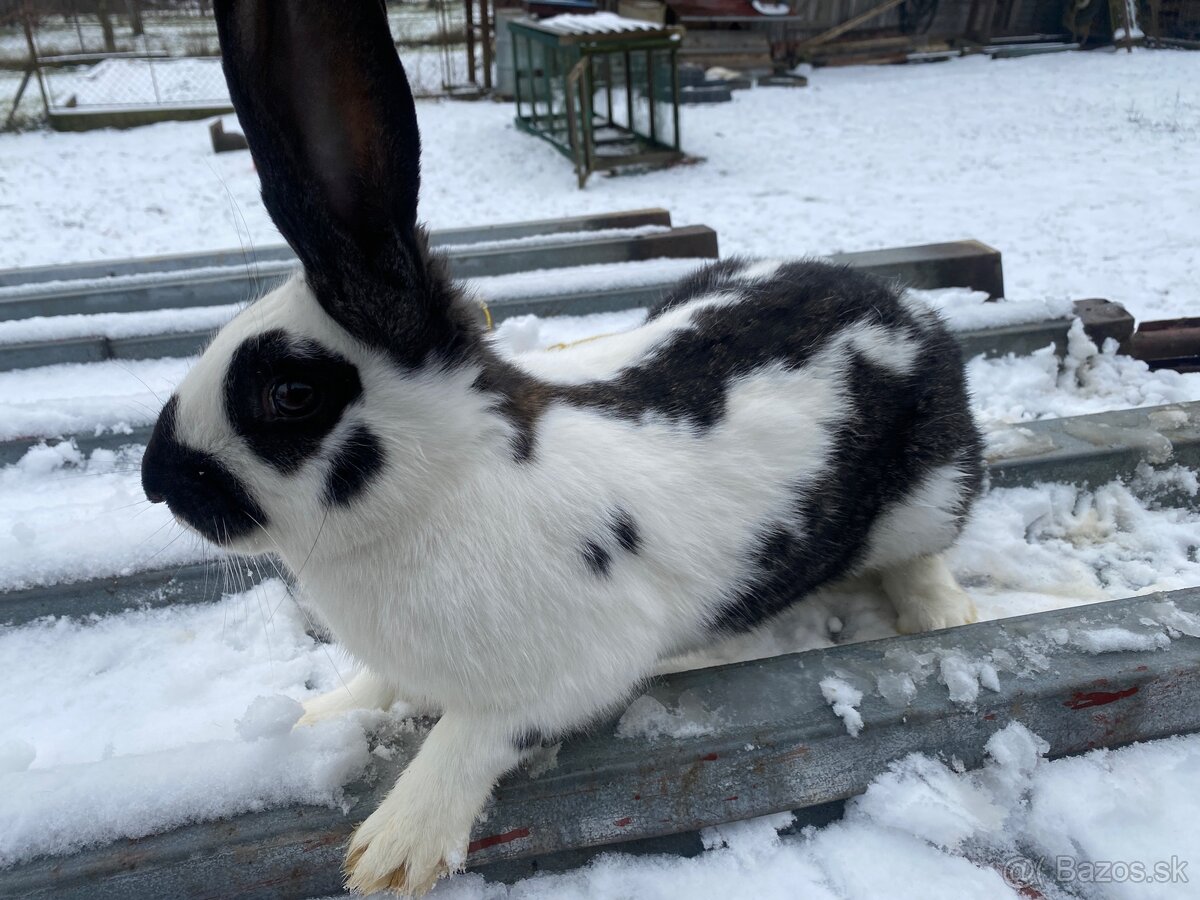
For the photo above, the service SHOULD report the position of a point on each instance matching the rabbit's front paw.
(404, 848)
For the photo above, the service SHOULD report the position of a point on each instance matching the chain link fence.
(60, 57)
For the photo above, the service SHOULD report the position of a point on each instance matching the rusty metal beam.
(779, 747)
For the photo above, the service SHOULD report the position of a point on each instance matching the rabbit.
(519, 542)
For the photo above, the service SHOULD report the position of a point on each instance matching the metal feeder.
(602, 89)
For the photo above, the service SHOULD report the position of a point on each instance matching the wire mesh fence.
(118, 54)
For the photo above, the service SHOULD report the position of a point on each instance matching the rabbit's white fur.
(496, 622)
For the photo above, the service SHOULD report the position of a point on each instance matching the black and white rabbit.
(519, 543)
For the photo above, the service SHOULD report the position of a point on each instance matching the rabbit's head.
(294, 414)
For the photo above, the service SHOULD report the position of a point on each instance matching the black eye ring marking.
(290, 399)
(284, 395)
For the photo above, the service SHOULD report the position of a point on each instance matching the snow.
(1116, 640)
(116, 325)
(129, 724)
(963, 677)
(134, 722)
(894, 156)
(648, 718)
(843, 698)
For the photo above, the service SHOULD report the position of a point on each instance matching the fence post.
(27, 21)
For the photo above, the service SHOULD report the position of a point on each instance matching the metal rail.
(779, 747)
(170, 290)
(992, 342)
(957, 264)
(1085, 450)
(177, 262)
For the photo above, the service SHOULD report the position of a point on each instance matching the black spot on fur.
(626, 531)
(273, 357)
(195, 485)
(597, 558)
(357, 461)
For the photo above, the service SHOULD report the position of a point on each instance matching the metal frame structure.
(569, 86)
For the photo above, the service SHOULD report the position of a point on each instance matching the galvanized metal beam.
(956, 264)
(170, 290)
(1086, 450)
(969, 264)
(176, 262)
(1018, 339)
(778, 747)
(154, 346)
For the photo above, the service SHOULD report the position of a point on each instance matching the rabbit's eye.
(292, 399)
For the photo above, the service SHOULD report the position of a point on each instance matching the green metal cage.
(602, 89)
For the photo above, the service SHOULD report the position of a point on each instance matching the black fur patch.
(785, 319)
(621, 532)
(893, 436)
(626, 532)
(272, 357)
(597, 558)
(195, 485)
(358, 460)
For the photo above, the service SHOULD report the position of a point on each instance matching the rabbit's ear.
(331, 124)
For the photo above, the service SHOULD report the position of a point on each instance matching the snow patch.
(843, 698)
(647, 718)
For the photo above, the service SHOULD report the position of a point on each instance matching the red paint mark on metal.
(637, 796)
(709, 757)
(1088, 699)
(730, 799)
(492, 840)
(621, 823)
(989, 717)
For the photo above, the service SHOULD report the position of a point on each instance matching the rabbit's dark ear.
(331, 124)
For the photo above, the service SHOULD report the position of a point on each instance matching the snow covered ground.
(1055, 160)
(1076, 166)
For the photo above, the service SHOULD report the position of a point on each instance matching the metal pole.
(675, 92)
(650, 96)
(629, 90)
(469, 6)
(486, 25)
(27, 22)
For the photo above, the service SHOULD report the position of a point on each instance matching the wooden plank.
(853, 22)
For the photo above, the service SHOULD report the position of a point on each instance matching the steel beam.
(969, 264)
(1086, 450)
(957, 264)
(778, 747)
(634, 218)
(237, 284)
(1018, 339)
